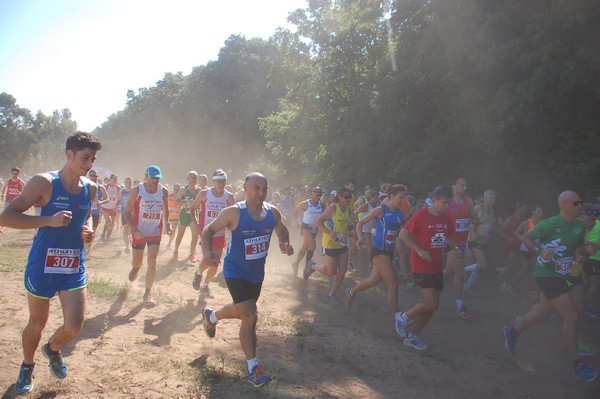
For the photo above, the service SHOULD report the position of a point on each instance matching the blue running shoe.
(24, 383)
(257, 377)
(414, 341)
(401, 324)
(585, 372)
(58, 367)
(210, 328)
(510, 339)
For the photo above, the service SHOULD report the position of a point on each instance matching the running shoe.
(308, 270)
(586, 350)
(463, 313)
(149, 301)
(210, 328)
(510, 339)
(349, 298)
(401, 324)
(333, 299)
(205, 291)
(350, 267)
(257, 377)
(197, 280)
(585, 372)
(414, 341)
(24, 382)
(58, 367)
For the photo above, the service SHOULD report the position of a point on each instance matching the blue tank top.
(124, 198)
(59, 250)
(248, 246)
(96, 210)
(386, 229)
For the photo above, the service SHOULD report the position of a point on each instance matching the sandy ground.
(312, 349)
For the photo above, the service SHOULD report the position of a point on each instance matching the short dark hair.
(81, 140)
(442, 192)
(15, 169)
(397, 188)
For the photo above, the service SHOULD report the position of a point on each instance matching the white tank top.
(147, 213)
(311, 214)
(213, 205)
(113, 195)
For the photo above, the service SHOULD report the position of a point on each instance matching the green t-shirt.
(565, 238)
(593, 236)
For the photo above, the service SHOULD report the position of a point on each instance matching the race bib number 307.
(257, 247)
(62, 261)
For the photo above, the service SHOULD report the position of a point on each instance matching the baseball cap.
(154, 172)
(333, 192)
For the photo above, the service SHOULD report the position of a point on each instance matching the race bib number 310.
(257, 247)
(62, 261)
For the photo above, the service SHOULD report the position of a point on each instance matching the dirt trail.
(313, 349)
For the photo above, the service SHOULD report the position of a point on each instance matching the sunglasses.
(577, 203)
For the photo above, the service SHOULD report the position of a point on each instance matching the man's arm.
(283, 235)
(105, 198)
(179, 196)
(407, 239)
(195, 205)
(129, 208)
(165, 212)
(36, 193)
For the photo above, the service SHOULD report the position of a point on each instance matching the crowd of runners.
(442, 237)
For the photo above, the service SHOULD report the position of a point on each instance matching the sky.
(85, 54)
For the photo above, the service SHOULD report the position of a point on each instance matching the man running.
(561, 239)
(185, 198)
(460, 210)
(13, 187)
(427, 234)
(251, 223)
(109, 208)
(145, 211)
(213, 200)
(311, 209)
(56, 263)
(123, 197)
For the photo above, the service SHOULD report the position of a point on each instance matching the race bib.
(341, 239)
(212, 214)
(257, 247)
(62, 261)
(563, 265)
(390, 237)
(150, 216)
(462, 225)
(484, 230)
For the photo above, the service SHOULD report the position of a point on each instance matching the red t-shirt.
(431, 233)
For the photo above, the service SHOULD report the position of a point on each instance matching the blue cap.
(154, 172)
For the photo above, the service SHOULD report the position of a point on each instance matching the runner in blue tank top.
(388, 220)
(56, 261)
(251, 224)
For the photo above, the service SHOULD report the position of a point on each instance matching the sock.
(213, 317)
(404, 316)
(471, 268)
(459, 303)
(27, 366)
(309, 255)
(472, 279)
(350, 291)
(251, 364)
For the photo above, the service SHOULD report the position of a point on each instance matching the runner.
(109, 208)
(388, 220)
(144, 213)
(592, 270)
(528, 259)
(174, 211)
(123, 197)
(311, 209)
(56, 263)
(480, 230)
(561, 238)
(351, 185)
(460, 211)
(185, 198)
(512, 247)
(13, 187)
(362, 211)
(427, 234)
(213, 200)
(352, 250)
(334, 223)
(97, 202)
(251, 224)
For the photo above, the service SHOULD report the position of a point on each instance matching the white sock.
(459, 303)
(213, 317)
(252, 363)
(472, 279)
(471, 268)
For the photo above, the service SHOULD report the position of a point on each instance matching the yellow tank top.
(339, 225)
